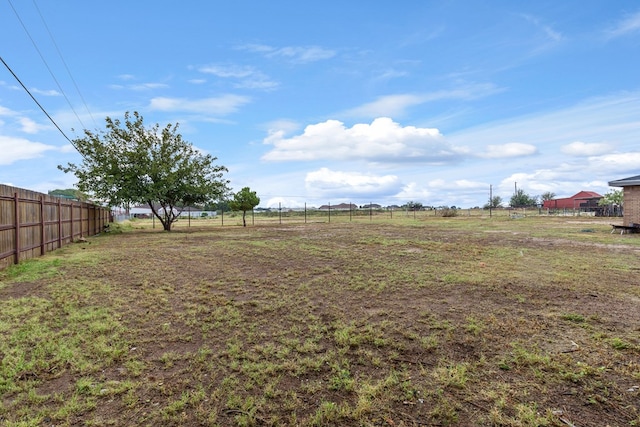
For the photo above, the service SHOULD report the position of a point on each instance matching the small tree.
(414, 206)
(548, 195)
(129, 163)
(245, 200)
(613, 197)
(521, 199)
(494, 202)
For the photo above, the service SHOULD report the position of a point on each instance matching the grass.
(463, 320)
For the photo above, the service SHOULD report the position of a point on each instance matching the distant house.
(338, 207)
(631, 194)
(586, 201)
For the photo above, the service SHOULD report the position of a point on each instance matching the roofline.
(625, 182)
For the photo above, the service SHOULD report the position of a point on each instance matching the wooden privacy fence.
(32, 224)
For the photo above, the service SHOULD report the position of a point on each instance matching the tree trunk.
(244, 220)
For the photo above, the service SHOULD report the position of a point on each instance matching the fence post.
(71, 219)
(16, 210)
(329, 212)
(42, 225)
(59, 223)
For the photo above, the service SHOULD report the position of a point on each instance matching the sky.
(307, 103)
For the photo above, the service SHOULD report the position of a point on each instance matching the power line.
(46, 65)
(65, 63)
(41, 107)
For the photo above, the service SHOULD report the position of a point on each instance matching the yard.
(423, 321)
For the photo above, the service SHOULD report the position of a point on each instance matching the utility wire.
(65, 64)
(46, 64)
(41, 107)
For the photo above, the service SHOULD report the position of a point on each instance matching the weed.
(455, 375)
(620, 344)
(573, 317)
(341, 380)
(328, 413)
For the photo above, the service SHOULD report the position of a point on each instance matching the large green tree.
(129, 163)
(244, 200)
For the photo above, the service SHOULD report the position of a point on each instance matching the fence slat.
(32, 224)
(16, 221)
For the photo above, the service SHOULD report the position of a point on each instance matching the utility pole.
(490, 199)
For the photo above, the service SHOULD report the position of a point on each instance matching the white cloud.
(357, 184)
(628, 25)
(29, 126)
(4, 111)
(284, 202)
(616, 163)
(295, 54)
(227, 71)
(512, 149)
(439, 192)
(396, 105)
(614, 118)
(381, 141)
(197, 81)
(457, 185)
(148, 86)
(222, 105)
(415, 192)
(68, 149)
(14, 149)
(50, 92)
(389, 74)
(390, 106)
(583, 149)
(549, 33)
(248, 77)
(284, 126)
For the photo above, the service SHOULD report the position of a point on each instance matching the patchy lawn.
(432, 321)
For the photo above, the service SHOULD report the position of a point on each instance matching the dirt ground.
(426, 324)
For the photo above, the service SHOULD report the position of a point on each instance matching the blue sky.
(334, 101)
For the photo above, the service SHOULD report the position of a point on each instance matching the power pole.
(490, 198)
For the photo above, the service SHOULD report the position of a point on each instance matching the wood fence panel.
(32, 224)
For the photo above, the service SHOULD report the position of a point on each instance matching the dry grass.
(403, 322)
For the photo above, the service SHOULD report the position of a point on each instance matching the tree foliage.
(244, 200)
(69, 193)
(548, 195)
(521, 199)
(613, 197)
(414, 206)
(494, 202)
(129, 164)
